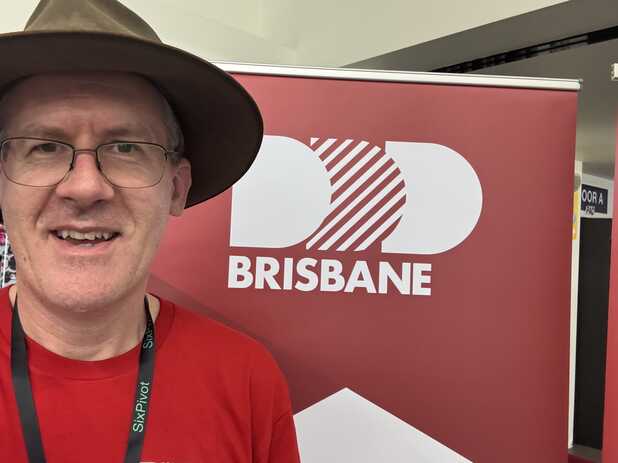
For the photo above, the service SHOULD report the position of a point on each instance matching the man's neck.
(97, 334)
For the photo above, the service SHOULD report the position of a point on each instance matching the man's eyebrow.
(136, 132)
(41, 131)
(130, 132)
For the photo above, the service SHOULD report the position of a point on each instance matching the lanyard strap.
(25, 400)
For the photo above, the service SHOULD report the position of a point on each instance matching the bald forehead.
(83, 83)
(45, 93)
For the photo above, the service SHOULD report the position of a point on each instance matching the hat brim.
(221, 123)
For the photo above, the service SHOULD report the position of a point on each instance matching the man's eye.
(46, 148)
(126, 147)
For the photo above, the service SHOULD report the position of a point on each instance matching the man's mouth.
(85, 238)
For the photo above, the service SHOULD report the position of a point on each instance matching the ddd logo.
(350, 196)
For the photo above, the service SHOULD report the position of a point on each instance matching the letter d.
(286, 177)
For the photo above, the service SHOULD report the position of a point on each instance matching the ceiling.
(598, 100)
(596, 127)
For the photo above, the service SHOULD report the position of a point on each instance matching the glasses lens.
(132, 165)
(35, 162)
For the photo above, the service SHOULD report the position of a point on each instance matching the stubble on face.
(86, 110)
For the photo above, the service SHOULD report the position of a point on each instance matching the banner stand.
(402, 246)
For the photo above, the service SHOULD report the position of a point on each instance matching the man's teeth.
(90, 236)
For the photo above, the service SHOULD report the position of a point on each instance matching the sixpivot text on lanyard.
(25, 399)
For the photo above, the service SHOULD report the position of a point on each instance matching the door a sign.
(594, 200)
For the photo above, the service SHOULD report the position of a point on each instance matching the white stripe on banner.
(347, 193)
(324, 146)
(352, 204)
(381, 229)
(346, 159)
(336, 152)
(344, 178)
(383, 210)
(359, 215)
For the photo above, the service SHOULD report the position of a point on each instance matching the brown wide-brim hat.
(221, 123)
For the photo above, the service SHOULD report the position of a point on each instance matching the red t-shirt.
(218, 396)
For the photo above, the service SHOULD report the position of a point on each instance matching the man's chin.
(84, 291)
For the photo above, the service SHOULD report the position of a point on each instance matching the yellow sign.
(575, 214)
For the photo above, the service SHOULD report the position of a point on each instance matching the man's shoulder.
(194, 322)
(213, 335)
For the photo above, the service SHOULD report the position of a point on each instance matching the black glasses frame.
(166, 153)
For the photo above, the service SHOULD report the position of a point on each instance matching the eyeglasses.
(41, 162)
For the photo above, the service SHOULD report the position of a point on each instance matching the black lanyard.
(25, 401)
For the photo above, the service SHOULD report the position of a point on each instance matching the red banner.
(404, 251)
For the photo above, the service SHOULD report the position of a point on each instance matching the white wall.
(15, 14)
(574, 294)
(230, 30)
(312, 33)
(223, 31)
(317, 32)
(335, 33)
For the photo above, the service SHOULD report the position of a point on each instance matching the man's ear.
(181, 182)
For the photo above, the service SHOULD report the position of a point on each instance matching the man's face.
(86, 110)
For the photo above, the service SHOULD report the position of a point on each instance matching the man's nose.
(84, 184)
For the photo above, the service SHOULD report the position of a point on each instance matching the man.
(94, 160)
